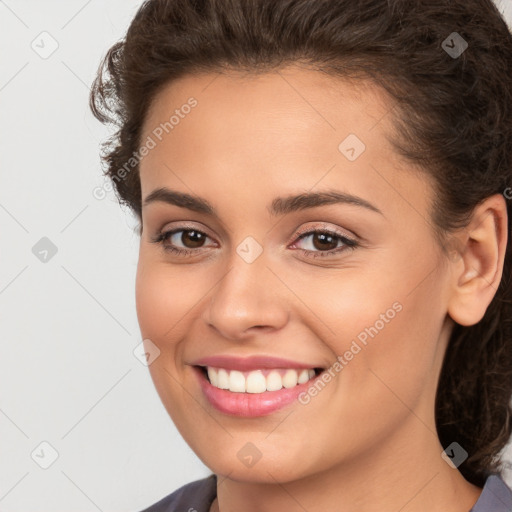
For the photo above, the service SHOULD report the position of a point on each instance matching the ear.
(478, 269)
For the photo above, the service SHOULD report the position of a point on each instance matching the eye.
(323, 242)
(192, 239)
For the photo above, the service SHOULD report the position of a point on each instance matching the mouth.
(256, 392)
(259, 380)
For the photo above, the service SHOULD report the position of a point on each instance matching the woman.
(324, 291)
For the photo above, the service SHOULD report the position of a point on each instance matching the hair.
(452, 117)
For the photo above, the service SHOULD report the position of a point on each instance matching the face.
(344, 285)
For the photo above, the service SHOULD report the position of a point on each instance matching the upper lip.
(250, 363)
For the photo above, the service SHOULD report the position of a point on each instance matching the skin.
(368, 440)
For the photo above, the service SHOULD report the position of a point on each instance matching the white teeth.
(304, 376)
(212, 375)
(256, 381)
(222, 379)
(236, 381)
(274, 381)
(290, 379)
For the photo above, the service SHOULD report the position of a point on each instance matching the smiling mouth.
(257, 381)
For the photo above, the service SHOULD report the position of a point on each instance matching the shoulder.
(195, 496)
(496, 496)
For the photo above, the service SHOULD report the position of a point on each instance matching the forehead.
(292, 126)
(288, 114)
(293, 97)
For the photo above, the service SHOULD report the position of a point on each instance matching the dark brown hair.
(452, 114)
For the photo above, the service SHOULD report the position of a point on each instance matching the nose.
(248, 299)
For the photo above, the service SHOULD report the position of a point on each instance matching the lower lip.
(250, 405)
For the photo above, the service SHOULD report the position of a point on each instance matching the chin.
(279, 468)
(260, 473)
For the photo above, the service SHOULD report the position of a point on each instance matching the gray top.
(198, 496)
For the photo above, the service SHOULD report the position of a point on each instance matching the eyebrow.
(279, 206)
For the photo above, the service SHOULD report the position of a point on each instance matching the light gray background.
(68, 326)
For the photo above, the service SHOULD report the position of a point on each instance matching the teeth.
(274, 381)
(255, 382)
(213, 376)
(222, 379)
(258, 381)
(304, 376)
(236, 381)
(290, 378)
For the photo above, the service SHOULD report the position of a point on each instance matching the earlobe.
(477, 272)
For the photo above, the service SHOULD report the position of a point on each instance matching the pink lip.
(249, 363)
(249, 404)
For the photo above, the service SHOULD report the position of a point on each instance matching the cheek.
(386, 328)
(164, 297)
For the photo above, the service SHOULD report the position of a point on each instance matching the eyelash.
(348, 243)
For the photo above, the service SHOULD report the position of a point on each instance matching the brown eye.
(324, 241)
(192, 239)
(182, 241)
